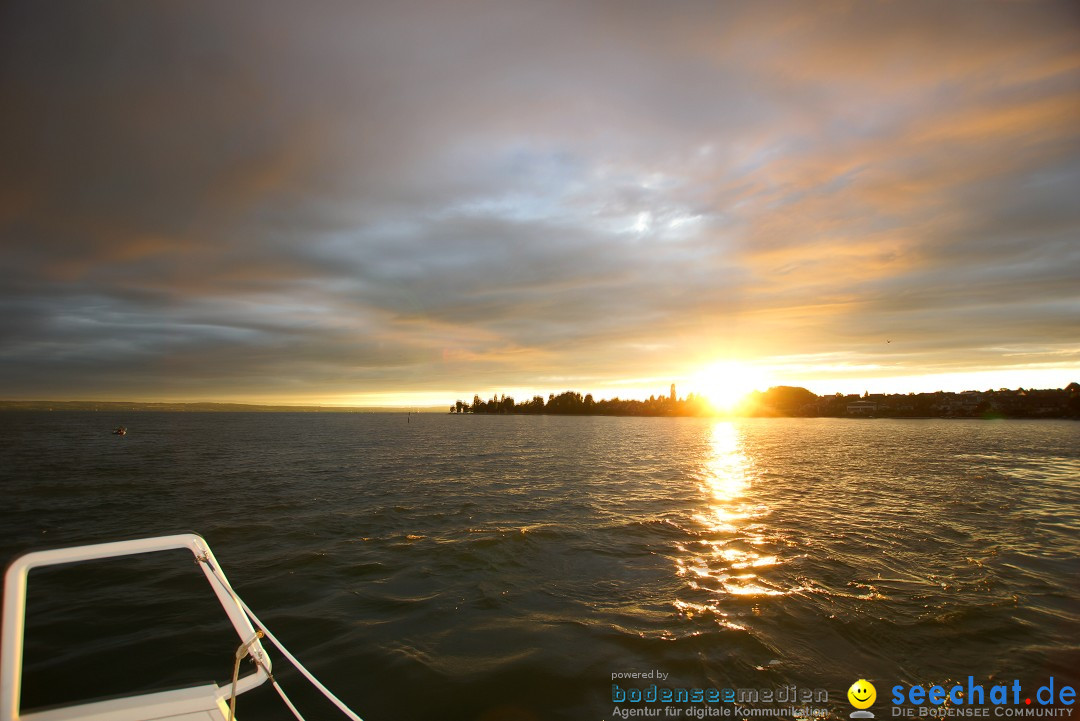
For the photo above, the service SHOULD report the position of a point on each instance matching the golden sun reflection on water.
(724, 561)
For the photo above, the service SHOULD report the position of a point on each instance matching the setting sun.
(726, 384)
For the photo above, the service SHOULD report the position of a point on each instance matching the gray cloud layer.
(296, 201)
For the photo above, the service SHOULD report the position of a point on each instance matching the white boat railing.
(239, 614)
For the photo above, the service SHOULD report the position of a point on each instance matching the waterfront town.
(790, 401)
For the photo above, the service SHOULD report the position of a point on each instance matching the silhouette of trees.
(574, 403)
(795, 401)
(781, 401)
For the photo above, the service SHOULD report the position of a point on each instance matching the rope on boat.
(300, 667)
(245, 649)
(242, 651)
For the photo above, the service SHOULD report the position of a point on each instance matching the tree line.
(575, 404)
(800, 402)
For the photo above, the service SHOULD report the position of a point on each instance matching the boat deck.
(196, 703)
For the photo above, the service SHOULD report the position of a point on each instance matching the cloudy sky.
(379, 203)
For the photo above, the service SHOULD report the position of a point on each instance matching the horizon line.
(433, 405)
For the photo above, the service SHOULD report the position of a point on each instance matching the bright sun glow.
(726, 384)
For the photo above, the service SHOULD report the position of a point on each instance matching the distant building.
(673, 392)
(862, 408)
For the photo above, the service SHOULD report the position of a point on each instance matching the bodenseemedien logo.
(862, 695)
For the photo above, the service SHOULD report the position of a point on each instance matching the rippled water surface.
(460, 567)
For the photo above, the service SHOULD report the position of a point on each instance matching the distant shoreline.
(142, 407)
(796, 402)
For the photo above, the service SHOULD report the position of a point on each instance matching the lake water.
(460, 567)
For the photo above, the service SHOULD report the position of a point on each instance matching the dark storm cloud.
(286, 201)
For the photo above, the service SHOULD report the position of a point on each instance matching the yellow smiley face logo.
(862, 694)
